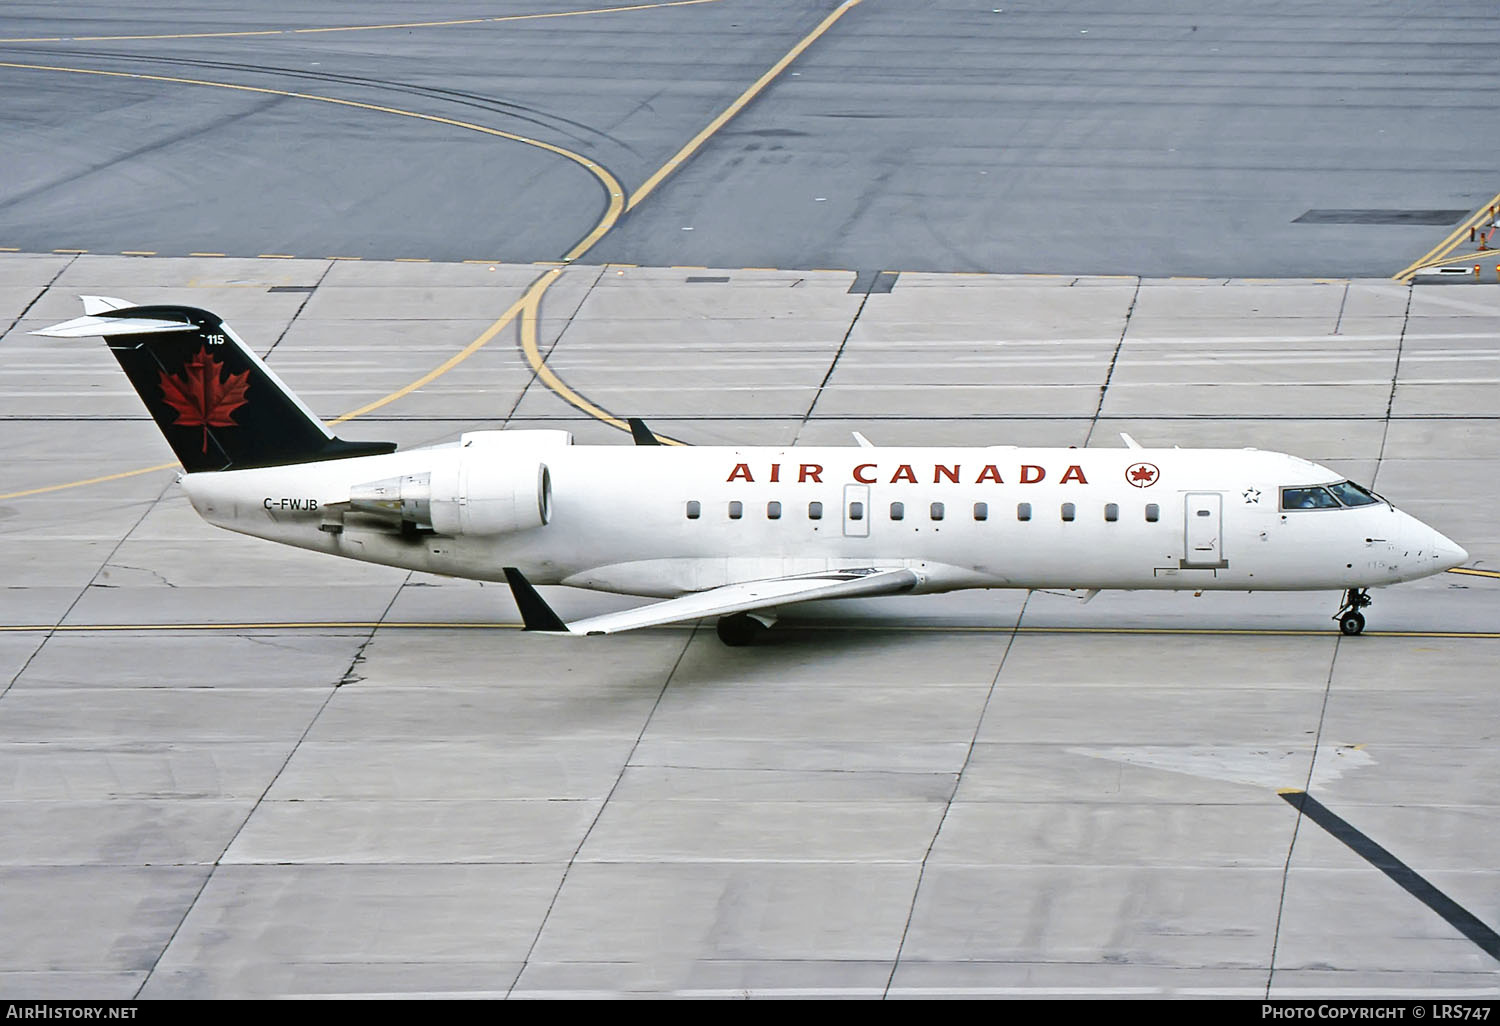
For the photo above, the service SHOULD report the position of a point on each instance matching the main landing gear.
(1351, 620)
(743, 628)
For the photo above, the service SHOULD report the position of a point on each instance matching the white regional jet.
(739, 533)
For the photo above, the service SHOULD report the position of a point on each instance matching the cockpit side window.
(1351, 494)
(1316, 497)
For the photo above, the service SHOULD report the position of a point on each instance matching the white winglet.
(864, 443)
(1130, 443)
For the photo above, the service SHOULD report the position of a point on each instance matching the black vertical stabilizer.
(218, 405)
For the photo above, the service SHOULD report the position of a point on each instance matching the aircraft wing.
(732, 598)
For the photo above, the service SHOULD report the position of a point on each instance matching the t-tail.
(217, 403)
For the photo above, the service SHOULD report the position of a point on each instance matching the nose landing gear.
(1351, 620)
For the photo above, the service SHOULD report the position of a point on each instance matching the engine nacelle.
(485, 493)
(486, 485)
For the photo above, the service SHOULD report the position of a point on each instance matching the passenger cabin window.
(736, 510)
(981, 511)
(1023, 511)
(1111, 511)
(937, 511)
(1308, 498)
(856, 511)
(898, 511)
(815, 511)
(1351, 494)
(773, 510)
(1068, 511)
(694, 509)
(1153, 512)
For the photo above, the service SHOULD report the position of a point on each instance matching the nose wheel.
(1351, 620)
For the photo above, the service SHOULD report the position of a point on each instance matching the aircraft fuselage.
(666, 521)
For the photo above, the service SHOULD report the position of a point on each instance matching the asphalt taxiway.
(1233, 139)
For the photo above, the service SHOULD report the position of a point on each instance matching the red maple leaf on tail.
(202, 395)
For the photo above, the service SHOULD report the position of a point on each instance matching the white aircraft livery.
(739, 533)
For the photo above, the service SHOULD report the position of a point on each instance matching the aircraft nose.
(1447, 553)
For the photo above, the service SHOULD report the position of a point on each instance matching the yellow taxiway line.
(362, 28)
(89, 481)
(694, 144)
(1475, 573)
(1437, 254)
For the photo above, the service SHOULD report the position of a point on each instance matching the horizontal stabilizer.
(93, 326)
(731, 598)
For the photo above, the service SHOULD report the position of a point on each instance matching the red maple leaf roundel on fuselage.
(203, 395)
(1142, 475)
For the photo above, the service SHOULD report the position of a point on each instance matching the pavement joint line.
(625, 767)
(306, 298)
(832, 364)
(1114, 360)
(1312, 767)
(332, 689)
(93, 578)
(958, 783)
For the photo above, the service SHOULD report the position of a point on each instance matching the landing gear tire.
(739, 630)
(1351, 620)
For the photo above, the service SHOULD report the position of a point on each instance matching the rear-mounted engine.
(483, 487)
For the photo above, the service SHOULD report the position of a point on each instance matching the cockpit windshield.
(1333, 496)
(1308, 498)
(1351, 494)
